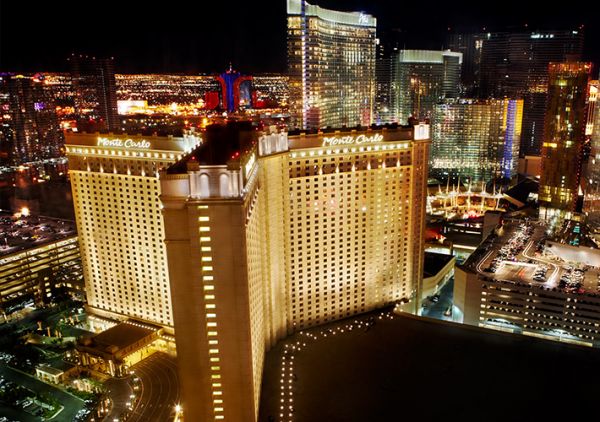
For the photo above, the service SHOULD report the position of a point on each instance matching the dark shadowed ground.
(410, 369)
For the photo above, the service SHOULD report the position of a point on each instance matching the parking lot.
(517, 271)
(518, 254)
(71, 404)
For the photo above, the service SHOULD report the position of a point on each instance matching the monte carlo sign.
(330, 141)
(123, 143)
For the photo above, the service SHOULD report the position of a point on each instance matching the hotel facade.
(331, 64)
(564, 136)
(114, 179)
(476, 140)
(277, 234)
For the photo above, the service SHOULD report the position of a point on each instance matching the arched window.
(224, 190)
(204, 186)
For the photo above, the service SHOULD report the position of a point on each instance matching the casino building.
(268, 233)
(116, 191)
(331, 64)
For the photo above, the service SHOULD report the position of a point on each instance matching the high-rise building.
(271, 235)
(331, 64)
(29, 129)
(116, 191)
(476, 140)
(383, 110)
(591, 179)
(515, 65)
(470, 44)
(564, 134)
(95, 91)
(421, 78)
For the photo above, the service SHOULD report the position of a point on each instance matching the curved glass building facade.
(331, 63)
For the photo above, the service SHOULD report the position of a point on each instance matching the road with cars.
(440, 305)
(159, 389)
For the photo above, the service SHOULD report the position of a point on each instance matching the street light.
(178, 412)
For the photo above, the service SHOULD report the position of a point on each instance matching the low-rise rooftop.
(434, 263)
(120, 336)
(19, 232)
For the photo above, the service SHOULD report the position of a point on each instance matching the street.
(159, 389)
(71, 403)
(436, 310)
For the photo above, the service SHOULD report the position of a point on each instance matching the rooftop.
(55, 367)
(409, 368)
(19, 232)
(118, 141)
(520, 255)
(434, 262)
(120, 336)
(522, 191)
(222, 143)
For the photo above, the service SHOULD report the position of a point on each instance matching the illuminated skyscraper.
(564, 135)
(29, 129)
(331, 64)
(116, 199)
(95, 91)
(476, 140)
(515, 65)
(591, 180)
(421, 78)
(272, 235)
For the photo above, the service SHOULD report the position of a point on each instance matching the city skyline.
(252, 37)
(291, 210)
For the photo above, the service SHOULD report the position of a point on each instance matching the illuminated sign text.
(349, 140)
(123, 143)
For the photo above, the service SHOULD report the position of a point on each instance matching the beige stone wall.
(121, 233)
(306, 241)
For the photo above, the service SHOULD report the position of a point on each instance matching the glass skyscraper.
(564, 133)
(471, 46)
(421, 78)
(591, 181)
(95, 90)
(515, 65)
(29, 129)
(331, 63)
(476, 140)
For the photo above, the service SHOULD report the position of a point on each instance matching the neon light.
(120, 143)
(349, 140)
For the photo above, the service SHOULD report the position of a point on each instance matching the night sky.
(204, 36)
